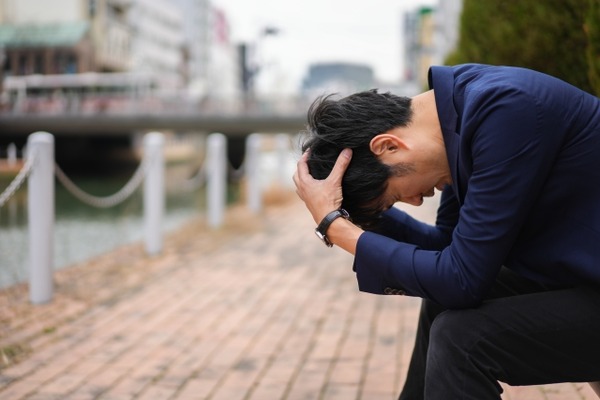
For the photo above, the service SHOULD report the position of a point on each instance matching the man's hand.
(321, 196)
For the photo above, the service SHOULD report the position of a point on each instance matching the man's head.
(352, 122)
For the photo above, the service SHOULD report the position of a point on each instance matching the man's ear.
(386, 143)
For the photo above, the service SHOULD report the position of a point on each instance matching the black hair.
(351, 122)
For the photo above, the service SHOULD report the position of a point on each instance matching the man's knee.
(449, 334)
(456, 335)
(459, 357)
(458, 326)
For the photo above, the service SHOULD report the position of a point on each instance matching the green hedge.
(592, 29)
(559, 37)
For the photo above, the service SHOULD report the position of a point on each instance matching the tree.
(548, 36)
(592, 29)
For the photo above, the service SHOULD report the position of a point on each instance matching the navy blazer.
(524, 154)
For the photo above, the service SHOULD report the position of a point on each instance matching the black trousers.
(524, 334)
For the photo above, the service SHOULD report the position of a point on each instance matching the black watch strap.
(321, 230)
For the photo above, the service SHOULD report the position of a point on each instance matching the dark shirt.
(524, 154)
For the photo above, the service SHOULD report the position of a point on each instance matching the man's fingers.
(301, 171)
(341, 164)
(302, 166)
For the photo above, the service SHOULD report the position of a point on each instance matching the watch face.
(323, 238)
(319, 235)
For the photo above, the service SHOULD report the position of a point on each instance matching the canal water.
(82, 231)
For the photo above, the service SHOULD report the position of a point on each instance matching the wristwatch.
(321, 230)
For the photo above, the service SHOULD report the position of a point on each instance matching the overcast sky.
(363, 31)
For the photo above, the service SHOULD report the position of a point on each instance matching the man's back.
(528, 168)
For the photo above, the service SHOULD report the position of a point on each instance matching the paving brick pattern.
(263, 312)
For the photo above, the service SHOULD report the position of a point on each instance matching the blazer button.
(389, 290)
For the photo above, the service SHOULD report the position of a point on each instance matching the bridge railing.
(40, 168)
(45, 104)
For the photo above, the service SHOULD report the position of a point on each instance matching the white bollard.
(154, 192)
(253, 183)
(40, 203)
(282, 145)
(11, 154)
(216, 187)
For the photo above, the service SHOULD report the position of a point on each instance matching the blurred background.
(212, 53)
(98, 74)
(227, 57)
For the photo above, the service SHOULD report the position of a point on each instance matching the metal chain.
(16, 183)
(237, 173)
(199, 180)
(126, 191)
(196, 181)
(108, 201)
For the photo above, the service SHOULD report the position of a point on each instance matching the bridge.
(237, 124)
(92, 114)
(125, 123)
(96, 135)
(79, 137)
(121, 103)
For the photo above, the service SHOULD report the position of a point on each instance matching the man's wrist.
(321, 229)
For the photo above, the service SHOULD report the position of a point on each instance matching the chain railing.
(238, 173)
(95, 201)
(40, 169)
(18, 181)
(106, 201)
(195, 182)
(41, 203)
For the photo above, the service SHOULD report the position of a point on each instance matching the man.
(510, 273)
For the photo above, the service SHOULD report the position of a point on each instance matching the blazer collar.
(441, 80)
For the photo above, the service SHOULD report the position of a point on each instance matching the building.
(337, 77)
(223, 77)
(418, 44)
(183, 46)
(55, 48)
(447, 28)
(196, 21)
(430, 35)
(63, 36)
(96, 35)
(111, 34)
(157, 39)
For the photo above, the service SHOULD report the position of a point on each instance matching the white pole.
(40, 205)
(282, 144)
(253, 184)
(154, 191)
(217, 179)
(11, 154)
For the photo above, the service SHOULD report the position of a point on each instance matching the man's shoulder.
(464, 79)
(500, 77)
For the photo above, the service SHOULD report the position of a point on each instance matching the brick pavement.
(258, 310)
